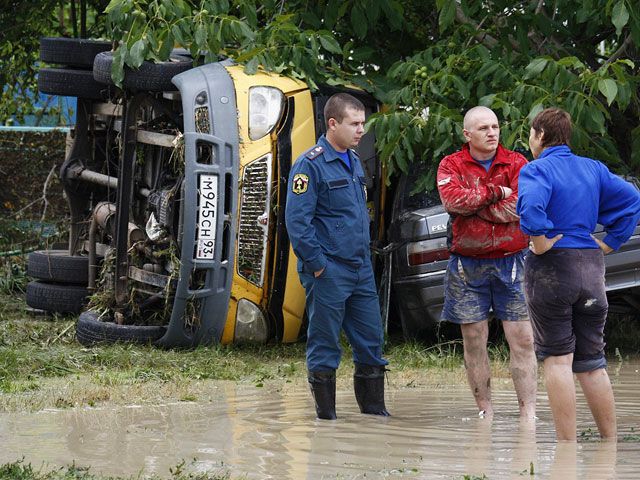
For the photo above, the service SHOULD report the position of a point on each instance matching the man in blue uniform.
(328, 225)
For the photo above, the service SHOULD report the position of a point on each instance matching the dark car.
(419, 230)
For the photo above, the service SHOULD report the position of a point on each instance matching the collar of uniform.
(501, 155)
(330, 153)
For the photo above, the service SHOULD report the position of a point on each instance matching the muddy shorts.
(473, 287)
(568, 305)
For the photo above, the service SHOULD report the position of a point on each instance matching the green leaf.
(535, 67)
(201, 36)
(136, 54)
(394, 12)
(250, 13)
(627, 62)
(359, 21)
(619, 16)
(535, 110)
(593, 119)
(117, 66)
(447, 14)
(331, 13)
(608, 88)
(252, 66)
(363, 53)
(330, 44)
(166, 47)
(487, 100)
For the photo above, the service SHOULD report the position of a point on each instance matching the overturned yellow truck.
(176, 184)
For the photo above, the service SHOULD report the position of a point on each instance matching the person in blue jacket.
(561, 199)
(328, 225)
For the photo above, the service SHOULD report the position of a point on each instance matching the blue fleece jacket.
(563, 193)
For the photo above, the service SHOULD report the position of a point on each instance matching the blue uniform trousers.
(343, 297)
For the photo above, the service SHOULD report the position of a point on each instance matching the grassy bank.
(42, 365)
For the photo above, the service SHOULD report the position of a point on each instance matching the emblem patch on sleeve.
(300, 183)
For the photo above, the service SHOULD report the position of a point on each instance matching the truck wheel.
(58, 266)
(91, 331)
(75, 52)
(152, 77)
(53, 297)
(68, 82)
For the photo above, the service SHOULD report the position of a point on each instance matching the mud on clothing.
(484, 223)
(485, 271)
(475, 286)
(328, 225)
(568, 305)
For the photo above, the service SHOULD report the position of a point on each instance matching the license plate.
(207, 214)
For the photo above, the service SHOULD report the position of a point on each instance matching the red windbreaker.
(485, 224)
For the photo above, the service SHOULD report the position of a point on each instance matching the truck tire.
(59, 267)
(152, 77)
(75, 52)
(92, 331)
(68, 82)
(56, 298)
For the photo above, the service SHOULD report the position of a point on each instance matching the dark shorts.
(473, 287)
(568, 305)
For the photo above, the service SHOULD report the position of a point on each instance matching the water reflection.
(264, 434)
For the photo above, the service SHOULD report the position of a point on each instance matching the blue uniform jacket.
(561, 192)
(326, 213)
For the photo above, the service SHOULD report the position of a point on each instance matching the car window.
(421, 199)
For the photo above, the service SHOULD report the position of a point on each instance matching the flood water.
(256, 433)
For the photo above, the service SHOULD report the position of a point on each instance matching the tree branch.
(618, 53)
(484, 38)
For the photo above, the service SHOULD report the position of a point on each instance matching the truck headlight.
(265, 108)
(251, 324)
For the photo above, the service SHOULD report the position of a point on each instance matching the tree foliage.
(518, 59)
(22, 23)
(427, 60)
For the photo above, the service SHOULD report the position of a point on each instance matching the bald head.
(474, 113)
(482, 132)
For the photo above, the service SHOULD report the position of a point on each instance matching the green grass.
(20, 471)
(41, 347)
(40, 358)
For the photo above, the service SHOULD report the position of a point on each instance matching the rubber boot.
(323, 389)
(368, 384)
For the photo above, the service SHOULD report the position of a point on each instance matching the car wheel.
(90, 330)
(53, 297)
(68, 82)
(59, 267)
(152, 77)
(75, 52)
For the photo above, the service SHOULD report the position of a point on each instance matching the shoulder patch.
(314, 152)
(300, 183)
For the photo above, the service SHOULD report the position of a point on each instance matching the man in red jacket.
(478, 186)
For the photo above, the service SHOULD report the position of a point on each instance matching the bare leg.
(599, 394)
(562, 395)
(476, 362)
(524, 367)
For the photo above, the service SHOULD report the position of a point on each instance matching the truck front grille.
(254, 220)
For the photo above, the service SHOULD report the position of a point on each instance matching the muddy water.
(263, 434)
